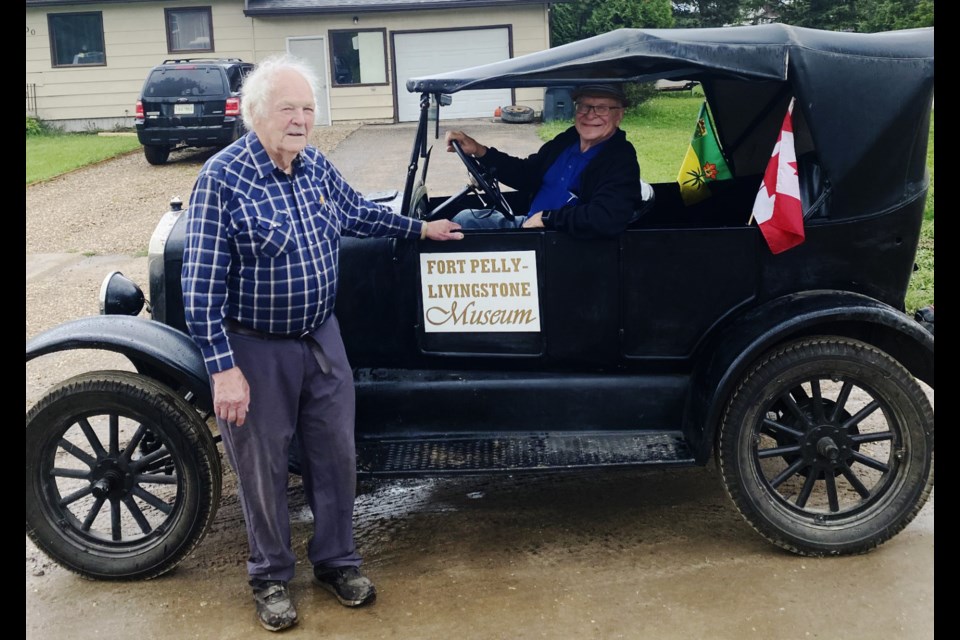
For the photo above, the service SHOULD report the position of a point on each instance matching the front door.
(313, 50)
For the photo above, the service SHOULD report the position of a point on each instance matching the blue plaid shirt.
(262, 247)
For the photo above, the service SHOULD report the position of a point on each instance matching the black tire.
(517, 114)
(826, 447)
(123, 476)
(156, 154)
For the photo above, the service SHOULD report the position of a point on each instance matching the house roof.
(281, 7)
(286, 7)
(54, 3)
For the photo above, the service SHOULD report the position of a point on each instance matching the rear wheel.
(826, 447)
(156, 154)
(123, 477)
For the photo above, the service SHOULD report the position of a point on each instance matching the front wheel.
(123, 477)
(826, 447)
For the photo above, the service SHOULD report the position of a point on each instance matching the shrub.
(639, 92)
(34, 126)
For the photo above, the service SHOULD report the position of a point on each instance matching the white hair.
(258, 86)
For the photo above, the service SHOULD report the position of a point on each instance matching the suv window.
(235, 76)
(179, 81)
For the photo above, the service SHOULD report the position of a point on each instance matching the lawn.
(50, 155)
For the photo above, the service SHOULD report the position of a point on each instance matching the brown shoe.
(351, 587)
(275, 609)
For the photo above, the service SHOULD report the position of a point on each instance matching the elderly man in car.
(586, 181)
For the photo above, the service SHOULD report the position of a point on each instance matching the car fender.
(157, 350)
(728, 353)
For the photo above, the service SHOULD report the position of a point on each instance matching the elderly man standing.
(586, 181)
(259, 283)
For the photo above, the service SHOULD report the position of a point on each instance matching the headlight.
(119, 295)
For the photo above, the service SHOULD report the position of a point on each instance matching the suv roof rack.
(183, 60)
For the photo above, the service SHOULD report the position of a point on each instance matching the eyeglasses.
(601, 110)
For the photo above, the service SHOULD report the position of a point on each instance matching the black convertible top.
(863, 100)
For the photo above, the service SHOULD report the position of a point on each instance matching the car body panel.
(157, 350)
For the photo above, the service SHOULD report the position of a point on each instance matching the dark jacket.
(609, 190)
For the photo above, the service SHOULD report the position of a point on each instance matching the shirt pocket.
(274, 234)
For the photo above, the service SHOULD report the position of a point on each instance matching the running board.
(482, 453)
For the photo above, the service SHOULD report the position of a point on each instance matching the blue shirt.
(562, 179)
(262, 247)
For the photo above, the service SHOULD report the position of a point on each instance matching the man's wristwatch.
(546, 217)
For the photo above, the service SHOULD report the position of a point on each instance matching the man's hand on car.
(441, 230)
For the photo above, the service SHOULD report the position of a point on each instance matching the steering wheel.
(482, 184)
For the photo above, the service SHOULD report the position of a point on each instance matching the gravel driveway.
(113, 207)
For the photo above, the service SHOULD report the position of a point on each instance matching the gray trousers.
(289, 393)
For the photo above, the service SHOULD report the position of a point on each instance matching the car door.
(536, 296)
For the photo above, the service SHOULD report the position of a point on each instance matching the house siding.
(104, 97)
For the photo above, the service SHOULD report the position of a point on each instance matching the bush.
(34, 126)
(639, 92)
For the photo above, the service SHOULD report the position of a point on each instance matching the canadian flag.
(777, 208)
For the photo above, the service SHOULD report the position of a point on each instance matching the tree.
(865, 16)
(572, 21)
(568, 21)
(886, 15)
(833, 15)
(706, 13)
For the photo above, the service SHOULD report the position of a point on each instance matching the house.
(87, 59)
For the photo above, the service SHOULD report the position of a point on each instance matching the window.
(358, 57)
(76, 39)
(169, 82)
(189, 29)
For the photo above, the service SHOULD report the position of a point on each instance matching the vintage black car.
(681, 339)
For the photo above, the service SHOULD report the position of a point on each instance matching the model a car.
(190, 102)
(681, 339)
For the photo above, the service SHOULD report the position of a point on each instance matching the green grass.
(920, 293)
(660, 130)
(51, 155)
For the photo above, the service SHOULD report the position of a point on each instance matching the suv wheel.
(156, 154)
(826, 447)
(123, 477)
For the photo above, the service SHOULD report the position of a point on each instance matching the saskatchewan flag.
(704, 162)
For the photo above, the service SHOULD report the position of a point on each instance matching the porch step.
(522, 452)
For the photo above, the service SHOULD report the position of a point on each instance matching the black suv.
(191, 102)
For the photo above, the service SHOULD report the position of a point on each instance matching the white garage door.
(422, 54)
